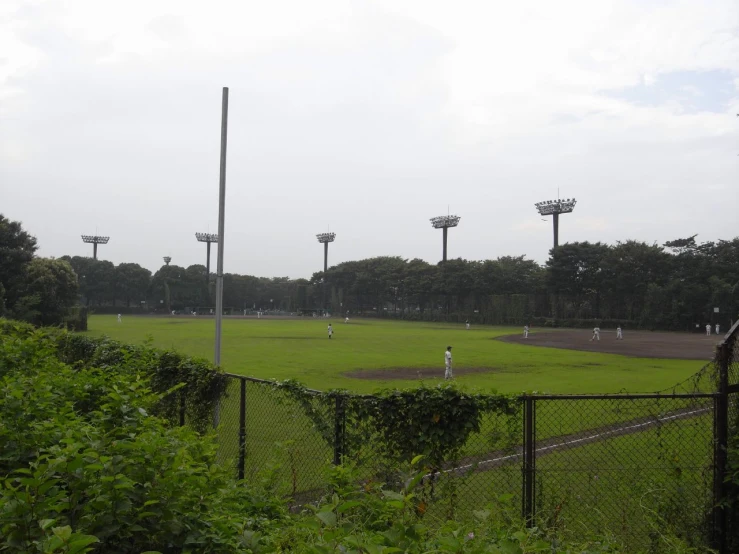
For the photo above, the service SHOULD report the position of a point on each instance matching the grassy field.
(620, 484)
(300, 349)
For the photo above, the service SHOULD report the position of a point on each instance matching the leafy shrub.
(85, 466)
(204, 384)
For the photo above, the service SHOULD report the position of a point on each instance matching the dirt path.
(491, 460)
(639, 344)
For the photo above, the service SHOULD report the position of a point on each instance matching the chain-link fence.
(726, 486)
(634, 466)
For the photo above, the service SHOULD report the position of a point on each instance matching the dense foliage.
(86, 465)
(39, 290)
(435, 422)
(164, 370)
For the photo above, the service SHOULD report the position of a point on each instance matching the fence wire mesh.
(631, 466)
(728, 363)
(624, 465)
(628, 466)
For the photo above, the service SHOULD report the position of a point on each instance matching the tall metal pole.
(221, 236)
(94, 250)
(323, 281)
(207, 264)
(443, 256)
(555, 221)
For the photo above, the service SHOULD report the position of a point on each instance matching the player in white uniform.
(346, 320)
(596, 333)
(330, 330)
(119, 318)
(619, 334)
(448, 363)
(467, 324)
(525, 331)
(708, 330)
(717, 328)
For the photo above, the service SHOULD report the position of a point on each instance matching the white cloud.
(350, 112)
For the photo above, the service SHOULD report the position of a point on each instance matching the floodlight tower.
(95, 240)
(554, 208)
(444, 222)
(167, 259)
(325, 238)
(207, 238)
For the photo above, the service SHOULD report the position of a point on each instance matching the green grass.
(630, 486)
(621, 484)
(299, 349)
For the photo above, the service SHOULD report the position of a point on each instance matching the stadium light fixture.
(554, 208)
(325, 238)
(95, 240)
(167, 259)
(207, 238)
(444, 222)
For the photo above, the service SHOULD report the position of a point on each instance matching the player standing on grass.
(526, 331)
(119, 318)
(619, 334)
(467, 324)
(596, 334)
(717, 328)
(448, 363)
(708, 330)
(330, 330)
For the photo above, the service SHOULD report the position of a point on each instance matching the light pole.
(207, 238)
(444, 222)
(554, 208)
(325, 238)
(95, 240)
(167, 259)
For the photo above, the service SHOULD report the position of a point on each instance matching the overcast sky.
(369, 117)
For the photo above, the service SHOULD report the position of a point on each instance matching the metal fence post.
(721, 429)
(339, 423)
(182, 407)
(529, 460)
(242, 429)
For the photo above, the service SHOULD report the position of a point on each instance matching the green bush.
(204, 384)
(85, 466)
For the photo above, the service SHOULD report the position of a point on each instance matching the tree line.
(674, 286)
(42, 291)
(677, 285)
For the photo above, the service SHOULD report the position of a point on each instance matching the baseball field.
(367, 354)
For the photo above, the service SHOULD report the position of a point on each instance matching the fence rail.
(625, 464)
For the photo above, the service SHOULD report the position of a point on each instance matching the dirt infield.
(409, 373)
(639, 344)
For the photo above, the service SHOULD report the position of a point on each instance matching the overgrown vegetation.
(88, 465)
(85, 465)
(39, 290)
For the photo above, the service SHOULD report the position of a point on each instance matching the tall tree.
(17, 248)
(131, 282)
(48, 291)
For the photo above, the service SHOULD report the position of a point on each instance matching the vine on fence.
(204, 384)
(433, 421)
